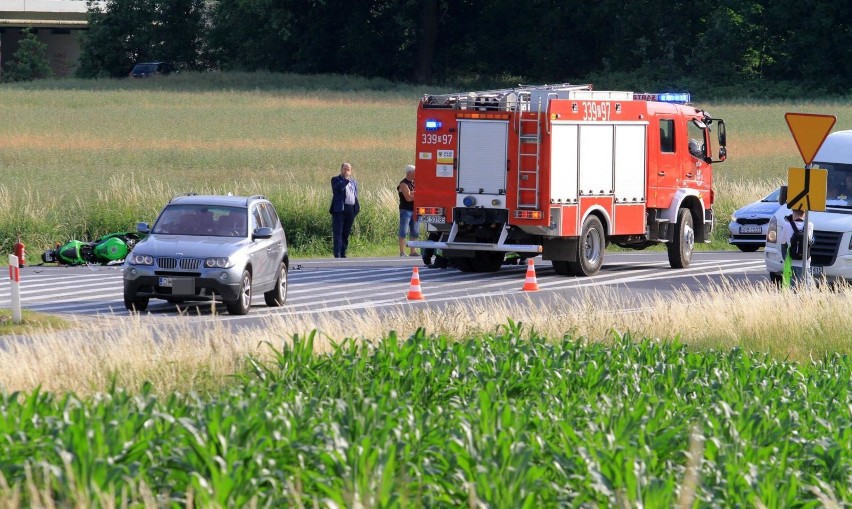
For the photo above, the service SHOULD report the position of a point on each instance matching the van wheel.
(750, 248)
(242, 305)
(775, 279)
(278, 295)
(681, 247)
(134, 303)
(590, 248)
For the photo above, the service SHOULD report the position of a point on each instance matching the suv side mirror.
(263, 232)
(142, 228)
(782, 196)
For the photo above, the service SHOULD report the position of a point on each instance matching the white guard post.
(15, 277)
(807, 277)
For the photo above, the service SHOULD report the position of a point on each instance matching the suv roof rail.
(182, 194)
(255, 197)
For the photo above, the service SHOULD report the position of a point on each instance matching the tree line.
(762, 46)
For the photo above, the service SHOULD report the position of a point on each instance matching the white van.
(831, 253)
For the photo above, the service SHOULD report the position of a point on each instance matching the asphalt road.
(328, 285)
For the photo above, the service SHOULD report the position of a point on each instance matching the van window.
(839, 185)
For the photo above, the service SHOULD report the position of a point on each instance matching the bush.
(30, 61)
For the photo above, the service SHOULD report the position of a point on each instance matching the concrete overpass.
(56, 23)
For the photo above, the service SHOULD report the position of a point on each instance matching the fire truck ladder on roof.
(529, 158)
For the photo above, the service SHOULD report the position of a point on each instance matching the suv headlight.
(140, 259)
(220, 263)
(772, 232)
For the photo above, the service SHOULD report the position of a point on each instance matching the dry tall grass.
(798, 325)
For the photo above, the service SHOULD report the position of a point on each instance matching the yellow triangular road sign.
(809, 130)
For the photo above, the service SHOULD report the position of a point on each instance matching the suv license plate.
(816, 271)
(750, 229)
(179, 285)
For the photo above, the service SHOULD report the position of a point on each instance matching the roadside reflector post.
(15, 286)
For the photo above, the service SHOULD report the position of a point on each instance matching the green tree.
(30, 61)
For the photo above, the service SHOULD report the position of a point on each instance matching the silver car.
(204, 248)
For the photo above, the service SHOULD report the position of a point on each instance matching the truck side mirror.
(782, 196)
(723, 136)
(723, 153)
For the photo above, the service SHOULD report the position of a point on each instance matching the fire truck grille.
(179, 263)
(749, 220)
(824, 250)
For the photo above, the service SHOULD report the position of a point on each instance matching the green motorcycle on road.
(110, 248)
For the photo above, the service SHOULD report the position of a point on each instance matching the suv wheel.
(242, 305)
(134, 303)
(278, 295)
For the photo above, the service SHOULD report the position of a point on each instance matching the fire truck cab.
(563, 171)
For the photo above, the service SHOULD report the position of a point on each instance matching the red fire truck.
(563, 171)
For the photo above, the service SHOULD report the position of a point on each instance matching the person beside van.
(792, 239)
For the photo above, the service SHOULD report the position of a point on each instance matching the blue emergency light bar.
(664, 97)
(432, 124)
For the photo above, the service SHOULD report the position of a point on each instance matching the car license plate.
(432, 219)
(750, 229)
(816, 271)
(179, 285)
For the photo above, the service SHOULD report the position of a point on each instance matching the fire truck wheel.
(680, 248)
(463, 264)
(590, 248)
(562, 268)
(485, 261)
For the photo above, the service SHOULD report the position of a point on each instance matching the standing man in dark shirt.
(407, 224)
(344, 208)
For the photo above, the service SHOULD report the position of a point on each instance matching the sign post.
(807, 185)
(15, 286)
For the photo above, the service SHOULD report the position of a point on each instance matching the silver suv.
(204, 248)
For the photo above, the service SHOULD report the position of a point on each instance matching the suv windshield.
(217, 221)
(839, 187)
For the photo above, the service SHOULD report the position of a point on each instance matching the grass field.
(727, 397)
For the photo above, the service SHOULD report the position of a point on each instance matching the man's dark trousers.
(341, 227)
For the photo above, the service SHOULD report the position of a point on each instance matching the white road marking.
(99, 289)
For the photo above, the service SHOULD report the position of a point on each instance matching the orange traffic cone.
(530, 284)
(414, 292)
